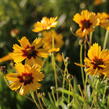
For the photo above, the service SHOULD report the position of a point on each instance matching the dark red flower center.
(26, 78)
(30, 52)
(86, 24)
(97, 62)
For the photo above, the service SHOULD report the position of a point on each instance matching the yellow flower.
(97, 62)
(31, 53)
(104, 20)
(59, 57)
(49, 36)
(87, 22)
(26, 79)
(98, 2)
(45, 24)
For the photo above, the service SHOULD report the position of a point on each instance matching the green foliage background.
(21, 14)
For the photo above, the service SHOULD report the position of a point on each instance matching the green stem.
(64, 74)
(90, 42)
(69, 91)
(54, 67)
(105, 39)
(81, 62)
(33, 97)
(63, 86)
(53, 95)
(39, 101)
(105, 89)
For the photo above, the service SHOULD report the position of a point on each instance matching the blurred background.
(16, 20)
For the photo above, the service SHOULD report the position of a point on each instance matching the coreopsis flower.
(98, 2)
(59, 57)
(97, 62)
(26, 79)
(104, 20)
(49, 37)
(87, 21)
(31, 53)
(45, 24)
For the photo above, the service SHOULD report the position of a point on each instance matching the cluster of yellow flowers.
(87, 22)
(28, 57)
(97, 62)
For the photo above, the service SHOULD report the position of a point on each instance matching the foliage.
(65, 85)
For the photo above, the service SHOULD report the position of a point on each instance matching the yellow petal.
(34, 61)
(17, 57)
(54, 50)
(6, 58)
(94, 51)
(42, 53)
(24, 42)
(81, 65)
(11, 76)
(37, 42)
(20, 68)
(16, 47)
(15, 85)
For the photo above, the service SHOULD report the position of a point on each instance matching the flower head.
(104, 20)
(97, 62)
(31, 53)
(45, 24)
(26, 79)
(59, 57)
(48, 40)
(98, 2)
(87, 22)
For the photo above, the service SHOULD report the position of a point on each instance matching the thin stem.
(63, 85)
(51, 100)
(105, 89)
(64, 74)
(90, 41)
(105, 39)
(85, 87)
(69, 90)
(54, 67)
(104, 94)
(33, 97)
(42, 98)
(81, 62)
(53, 96)
(85, 45)
(39, 101)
